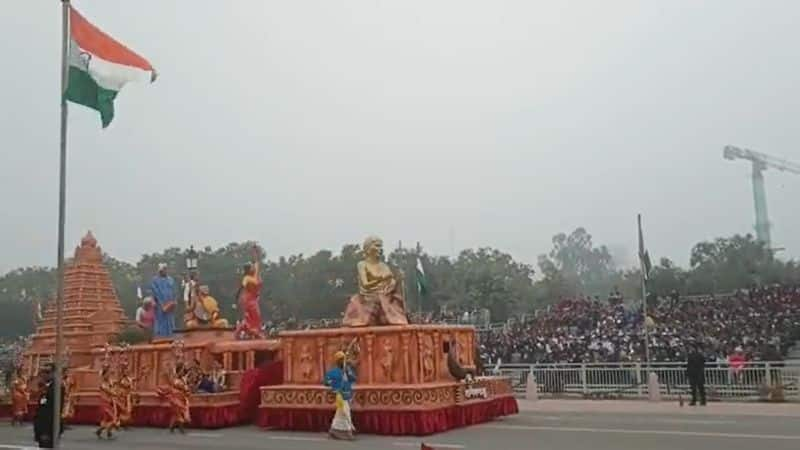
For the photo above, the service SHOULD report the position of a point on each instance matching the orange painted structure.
(404, 384)
(92, 312)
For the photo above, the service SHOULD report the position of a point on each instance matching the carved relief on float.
(379, 398)
(306, 361)
(145, 369)
(387, 359)
(427, 359)
(166, 366)
(369, 373)
(382, 355)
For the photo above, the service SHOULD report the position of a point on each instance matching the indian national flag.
(99, 66)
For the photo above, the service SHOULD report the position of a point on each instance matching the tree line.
(318, 285)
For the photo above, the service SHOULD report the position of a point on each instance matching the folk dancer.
(124, 398)
(213, 381)
(178, 395)
(249, 296)
(20, 396)
(219, 376)
(109, 413)
(341, 379)
(70, 388)
(163, 289)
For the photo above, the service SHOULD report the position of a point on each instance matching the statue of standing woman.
(249, 297)
(379, 300)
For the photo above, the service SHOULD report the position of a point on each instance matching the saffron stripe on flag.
(95, 41)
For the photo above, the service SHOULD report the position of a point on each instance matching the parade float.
(412, 379)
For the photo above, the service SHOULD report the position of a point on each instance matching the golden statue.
(202, 310)
(379, 300)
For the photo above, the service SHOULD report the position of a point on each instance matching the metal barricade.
(754, 381)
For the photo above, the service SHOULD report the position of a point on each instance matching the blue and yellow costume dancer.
(341, 379)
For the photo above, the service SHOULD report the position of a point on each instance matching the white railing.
(629, 380)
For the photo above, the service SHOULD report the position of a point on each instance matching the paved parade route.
(678, 428)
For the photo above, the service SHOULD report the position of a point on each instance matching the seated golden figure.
(203, 311)
(380, 299)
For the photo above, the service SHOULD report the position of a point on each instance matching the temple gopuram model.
(92, 313)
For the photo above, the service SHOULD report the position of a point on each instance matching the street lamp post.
(191, 260)
(190, 278)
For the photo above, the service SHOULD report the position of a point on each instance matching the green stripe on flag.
(83, 90)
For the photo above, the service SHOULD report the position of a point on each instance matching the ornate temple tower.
(92, 312)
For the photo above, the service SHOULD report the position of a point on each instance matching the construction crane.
(761, 162)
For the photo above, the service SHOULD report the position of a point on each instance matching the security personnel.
(43, 422)
(695, 372)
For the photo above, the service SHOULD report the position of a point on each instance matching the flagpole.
(416, 281)
(65, 37)
(644, 293)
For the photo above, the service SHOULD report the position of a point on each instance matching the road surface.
(541, 430)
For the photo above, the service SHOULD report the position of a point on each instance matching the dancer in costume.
(124, 397)
(20, 395)
(178, 397)
(341, 379)
(109, 415)
(163, 289)
(249, 293)
(70, 388)
(219, 377)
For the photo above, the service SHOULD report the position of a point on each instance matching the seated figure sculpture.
(380, 299)
(203, 311)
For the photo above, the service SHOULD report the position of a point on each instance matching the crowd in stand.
(759, 324)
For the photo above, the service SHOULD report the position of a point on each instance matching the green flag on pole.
(422, 282)
(644, 255)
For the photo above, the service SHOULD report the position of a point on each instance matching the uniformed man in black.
(43, 422)
(696, 373)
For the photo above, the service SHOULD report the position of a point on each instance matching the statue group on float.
(380, 299)
(201, 309)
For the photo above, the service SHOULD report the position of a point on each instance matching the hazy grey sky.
(309, 124)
